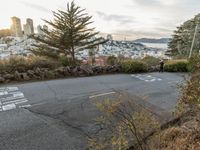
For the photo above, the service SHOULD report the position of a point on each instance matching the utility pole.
(179, 50)
(195, 32)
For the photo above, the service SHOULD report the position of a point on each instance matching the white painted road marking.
(25, 106)
(146, 78)
(16, 101)
(12, 89)
(9, 107)
(173, 82)
(3, 93)
(103, 94)
(17, 94)
(12, 98)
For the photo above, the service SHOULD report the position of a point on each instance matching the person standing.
(161, 66)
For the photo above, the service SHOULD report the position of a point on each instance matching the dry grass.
(23, 64)
(184, 135)
(178, 138)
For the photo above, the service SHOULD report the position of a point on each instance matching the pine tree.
(69, 34)
(182, 38)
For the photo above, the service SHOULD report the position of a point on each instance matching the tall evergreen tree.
(68, 34)
(182, 38)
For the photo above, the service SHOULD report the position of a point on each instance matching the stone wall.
(61, 72)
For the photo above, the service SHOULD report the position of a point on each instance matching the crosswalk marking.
(12, 98)
(3, 93)
(8, 107)
(16, 101)
(146, 78)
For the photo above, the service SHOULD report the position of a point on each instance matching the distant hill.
(147, 40)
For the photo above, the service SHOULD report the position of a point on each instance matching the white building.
(16, 27)
(40, 29)
(3, 47)
(28, 27)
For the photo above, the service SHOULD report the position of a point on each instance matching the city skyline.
(129, 19)
(18, 29)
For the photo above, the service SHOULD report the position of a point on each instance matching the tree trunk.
(73, 56)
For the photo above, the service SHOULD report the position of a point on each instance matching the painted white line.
(38, 104)
(10, 89)
(3, 93)
(103, 94)
(16, 94)
(9, 107)
(21, 102)
(16, 102)
(11, 98)
(25, 106)
(141, 78)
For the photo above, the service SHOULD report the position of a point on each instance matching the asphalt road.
(59, 114)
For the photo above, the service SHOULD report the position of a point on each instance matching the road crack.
(59, 121)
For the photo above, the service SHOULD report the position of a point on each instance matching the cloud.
(156, 3)
(35, 6)
(147, 2)
(121, 19)
(134, 34)
(163, 30)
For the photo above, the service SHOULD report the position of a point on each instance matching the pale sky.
(128, 19)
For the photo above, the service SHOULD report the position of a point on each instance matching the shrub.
(66, 61)
(191, 90)
(151, 61)
(23, 64)
(194, 64)
(131, 66)
(176, 66)
(123, 123)
(13, 63)
(112, 60)
(42, 62)
(18, 63)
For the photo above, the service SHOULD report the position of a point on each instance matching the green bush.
(66, 61)
(176, 66)
(194, 64)
(151, 61)
(112, 60)
(131, 66)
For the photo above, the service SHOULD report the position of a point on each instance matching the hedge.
(23, 64)
(176, 66)
(194, 64)
(131, 66)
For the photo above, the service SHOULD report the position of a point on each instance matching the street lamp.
(195, 32)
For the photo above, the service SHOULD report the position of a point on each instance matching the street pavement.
(59, 114)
